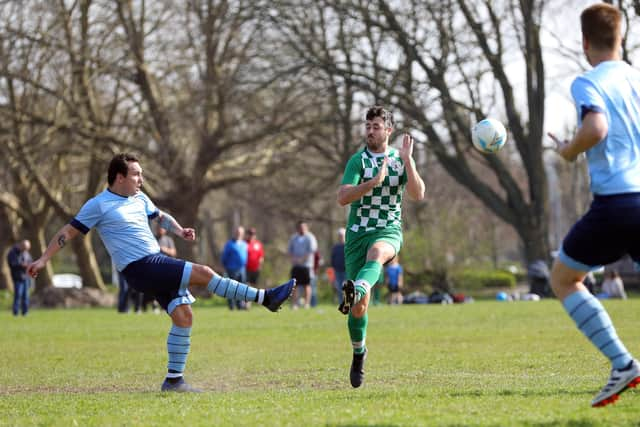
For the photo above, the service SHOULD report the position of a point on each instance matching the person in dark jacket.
(19, 259)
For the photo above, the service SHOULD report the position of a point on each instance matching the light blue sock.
(178, 345)
(594, 321)
(229, 288)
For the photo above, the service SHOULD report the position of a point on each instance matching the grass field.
(486, 364)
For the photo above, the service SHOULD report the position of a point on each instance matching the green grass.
(487, 363)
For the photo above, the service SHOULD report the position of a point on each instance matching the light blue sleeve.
(150, 208)
(88, 216)
(586, 97)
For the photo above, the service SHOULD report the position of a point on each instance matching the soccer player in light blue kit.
(121, 214)
(607, 100)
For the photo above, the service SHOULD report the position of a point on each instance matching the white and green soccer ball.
(488, 135)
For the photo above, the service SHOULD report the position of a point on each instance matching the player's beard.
(375, 145)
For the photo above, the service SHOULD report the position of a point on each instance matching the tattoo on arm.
(62, 240)
(168, 223)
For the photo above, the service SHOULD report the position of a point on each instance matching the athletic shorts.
(302, 275)
(358, 244)
(609, 230)
(165, 277)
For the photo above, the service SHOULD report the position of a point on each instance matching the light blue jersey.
(612, 88)
(123, 224)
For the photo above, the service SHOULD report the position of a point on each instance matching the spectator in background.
(317, 263)
(302, 247)
(394, 278)
(337, 263)
(612, 286)
(234, 260)
(255, 258)
(166, 243)
(19, 259)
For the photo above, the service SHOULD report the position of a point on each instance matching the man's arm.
(415, 184)
(169, 223)
(348, 193)
(59, 241)
(593, 130)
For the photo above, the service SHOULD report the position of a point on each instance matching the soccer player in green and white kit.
(373, 183)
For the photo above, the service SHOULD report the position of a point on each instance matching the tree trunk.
(535, 241)
(87, 263)
(7, 238)
(5, 273)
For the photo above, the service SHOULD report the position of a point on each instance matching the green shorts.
(358, 244)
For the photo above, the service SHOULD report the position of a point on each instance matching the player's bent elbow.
(417, 195)
(342, 198)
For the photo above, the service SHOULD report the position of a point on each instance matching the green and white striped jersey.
(381, 207)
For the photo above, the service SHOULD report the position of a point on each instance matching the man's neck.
(598, 56)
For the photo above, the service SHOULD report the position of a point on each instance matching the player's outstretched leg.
(619, 381)
(272, 299)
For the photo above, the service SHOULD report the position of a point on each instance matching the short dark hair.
(120, 165)
(378, 111)
(601, 24)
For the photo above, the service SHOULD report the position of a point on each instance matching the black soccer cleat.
(356, 375)
(348, 297)
(275, 297)
(180, 386)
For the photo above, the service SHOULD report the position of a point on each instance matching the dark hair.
(601, 25)
(378, 111)
(119, 165)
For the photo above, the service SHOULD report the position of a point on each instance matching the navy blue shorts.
(609, 230)
(165, 277)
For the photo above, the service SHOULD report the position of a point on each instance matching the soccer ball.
(488, 135)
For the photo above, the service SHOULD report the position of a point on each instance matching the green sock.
(358, 332)
(369, 273)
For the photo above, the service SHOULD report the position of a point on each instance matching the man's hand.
(406, 152)
(382, 172)
(35, 267)
(188, 234)
(561, 145)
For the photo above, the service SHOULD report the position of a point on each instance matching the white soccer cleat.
(619, 381)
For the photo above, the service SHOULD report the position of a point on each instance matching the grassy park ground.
(487, 364)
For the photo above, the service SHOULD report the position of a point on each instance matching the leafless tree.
(443, 66)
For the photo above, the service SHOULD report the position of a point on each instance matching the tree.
(214, 110)
(442, 66)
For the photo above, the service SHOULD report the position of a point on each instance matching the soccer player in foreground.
(607, 99)
(121, 213)
(373, 183)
